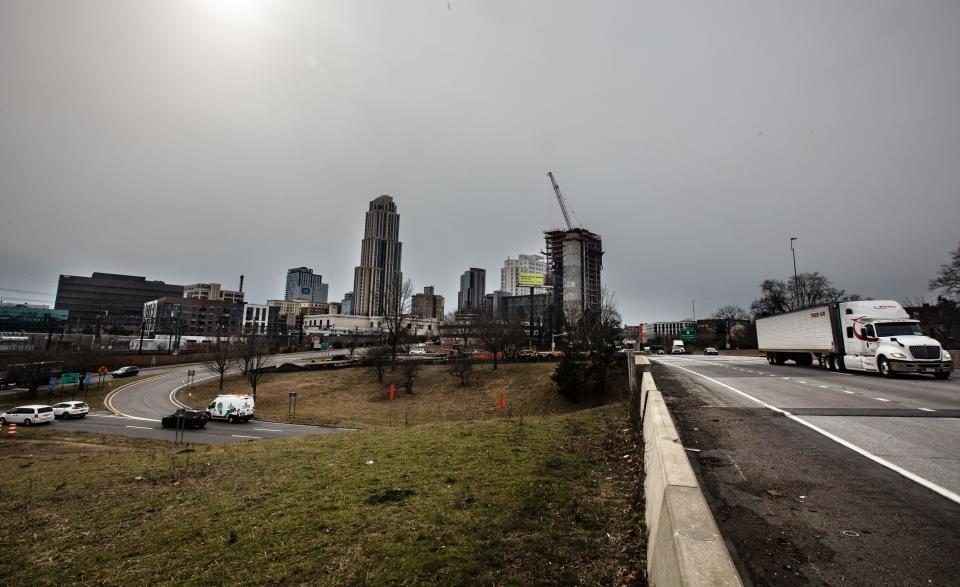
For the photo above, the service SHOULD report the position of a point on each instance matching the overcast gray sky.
(195, 140)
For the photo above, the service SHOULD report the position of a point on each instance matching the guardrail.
(684, 545)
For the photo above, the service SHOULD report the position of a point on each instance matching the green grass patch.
(545, 500)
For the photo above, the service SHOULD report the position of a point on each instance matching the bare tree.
(376, 358)
(802, 291)
(396, 322)
(462, 368)
(501, 335)
(219, 358)
(593, 341)
(410, 371)
(948, 277)
(252, 358)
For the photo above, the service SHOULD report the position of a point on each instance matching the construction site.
(574, 261)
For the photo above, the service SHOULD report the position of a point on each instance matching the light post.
(794, 253)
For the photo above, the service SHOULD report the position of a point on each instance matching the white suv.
(67, 410)
(28, 415)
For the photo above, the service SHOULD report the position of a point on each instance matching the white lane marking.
(824, 386)
(173, 393)
(926, 409)
(942, 491)
(140, 427)
(268, 430)
(242, 436)
(123, 417)
(847, 391)
(786, 379)
(880, 399)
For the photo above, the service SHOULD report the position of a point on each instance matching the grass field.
(353, 397)
(539, 500)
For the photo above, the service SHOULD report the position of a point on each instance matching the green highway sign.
(688, 335)
(70, 378)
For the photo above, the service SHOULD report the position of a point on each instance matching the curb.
(684, 544)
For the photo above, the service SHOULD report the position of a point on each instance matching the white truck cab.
(232, 408)
(880, 336)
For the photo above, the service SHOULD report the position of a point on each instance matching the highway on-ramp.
(137, 409)
(819, 477)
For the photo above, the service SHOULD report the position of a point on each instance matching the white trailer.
(873, 335)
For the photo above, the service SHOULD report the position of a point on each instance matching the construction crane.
(560, 200)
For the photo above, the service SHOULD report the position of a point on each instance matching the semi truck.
(874, 335)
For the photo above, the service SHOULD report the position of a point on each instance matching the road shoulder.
(797, 508)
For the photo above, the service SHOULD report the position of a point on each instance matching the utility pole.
(794, 252)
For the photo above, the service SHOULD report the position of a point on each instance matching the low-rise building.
(190, 317)
(31, 318)
(212, 291)
(344, 324)
(260, 319)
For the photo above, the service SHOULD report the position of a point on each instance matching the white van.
(232, 408)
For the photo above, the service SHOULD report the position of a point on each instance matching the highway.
(137, 409)
(818, 476)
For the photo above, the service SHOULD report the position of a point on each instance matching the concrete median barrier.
(684, 545)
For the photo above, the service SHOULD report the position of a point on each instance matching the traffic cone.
(12, 430)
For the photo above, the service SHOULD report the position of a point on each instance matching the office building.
(260, 319)
(574, 262)
(427, 304)
(290, 314)
(346, 304)
(472, 290)
(377, 280)
(512, 268)
(178, 316)
(304, 284)
(110, 301)
(212, 291)
(31, 318)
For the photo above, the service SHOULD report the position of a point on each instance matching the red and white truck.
(872, 335)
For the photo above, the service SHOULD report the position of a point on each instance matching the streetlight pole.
(794, 252)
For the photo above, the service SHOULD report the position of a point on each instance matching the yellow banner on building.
(531, 279)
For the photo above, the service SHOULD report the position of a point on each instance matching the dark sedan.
(129, 371)
(189, 418)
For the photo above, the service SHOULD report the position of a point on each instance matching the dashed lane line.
(926, 409)
(938, 489)
(244, 436)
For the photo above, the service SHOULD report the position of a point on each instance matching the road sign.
(102, 370)
(688, 335)
(87, 380)
(69, 378)
(324, 346)
(53, 382)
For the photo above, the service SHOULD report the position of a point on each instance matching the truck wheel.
(771, 359)
(830, 363)
(883, 366)
(943, 375)
(231, 419)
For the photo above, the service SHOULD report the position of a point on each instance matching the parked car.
(710, 351)
(418, 350)
(129, 371)
(28, 415)
(190, 418)
(6, 380)
(67, 410)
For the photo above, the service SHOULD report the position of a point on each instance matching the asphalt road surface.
(138, 408)
(818, 477)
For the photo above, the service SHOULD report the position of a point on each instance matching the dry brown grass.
(353, 397)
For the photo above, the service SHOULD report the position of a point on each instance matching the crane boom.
(560, 200)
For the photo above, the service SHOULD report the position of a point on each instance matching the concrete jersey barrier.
(684, 545)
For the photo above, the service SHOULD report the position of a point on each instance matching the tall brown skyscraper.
(378, 276)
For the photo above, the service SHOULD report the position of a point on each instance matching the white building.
(654, 332)
(512, 268)
(344, 324)
(260, 318)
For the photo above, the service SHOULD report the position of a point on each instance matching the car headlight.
(946, 356)
(898, 355)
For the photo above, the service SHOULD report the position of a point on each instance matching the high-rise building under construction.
(377, 280)
(574, 261)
